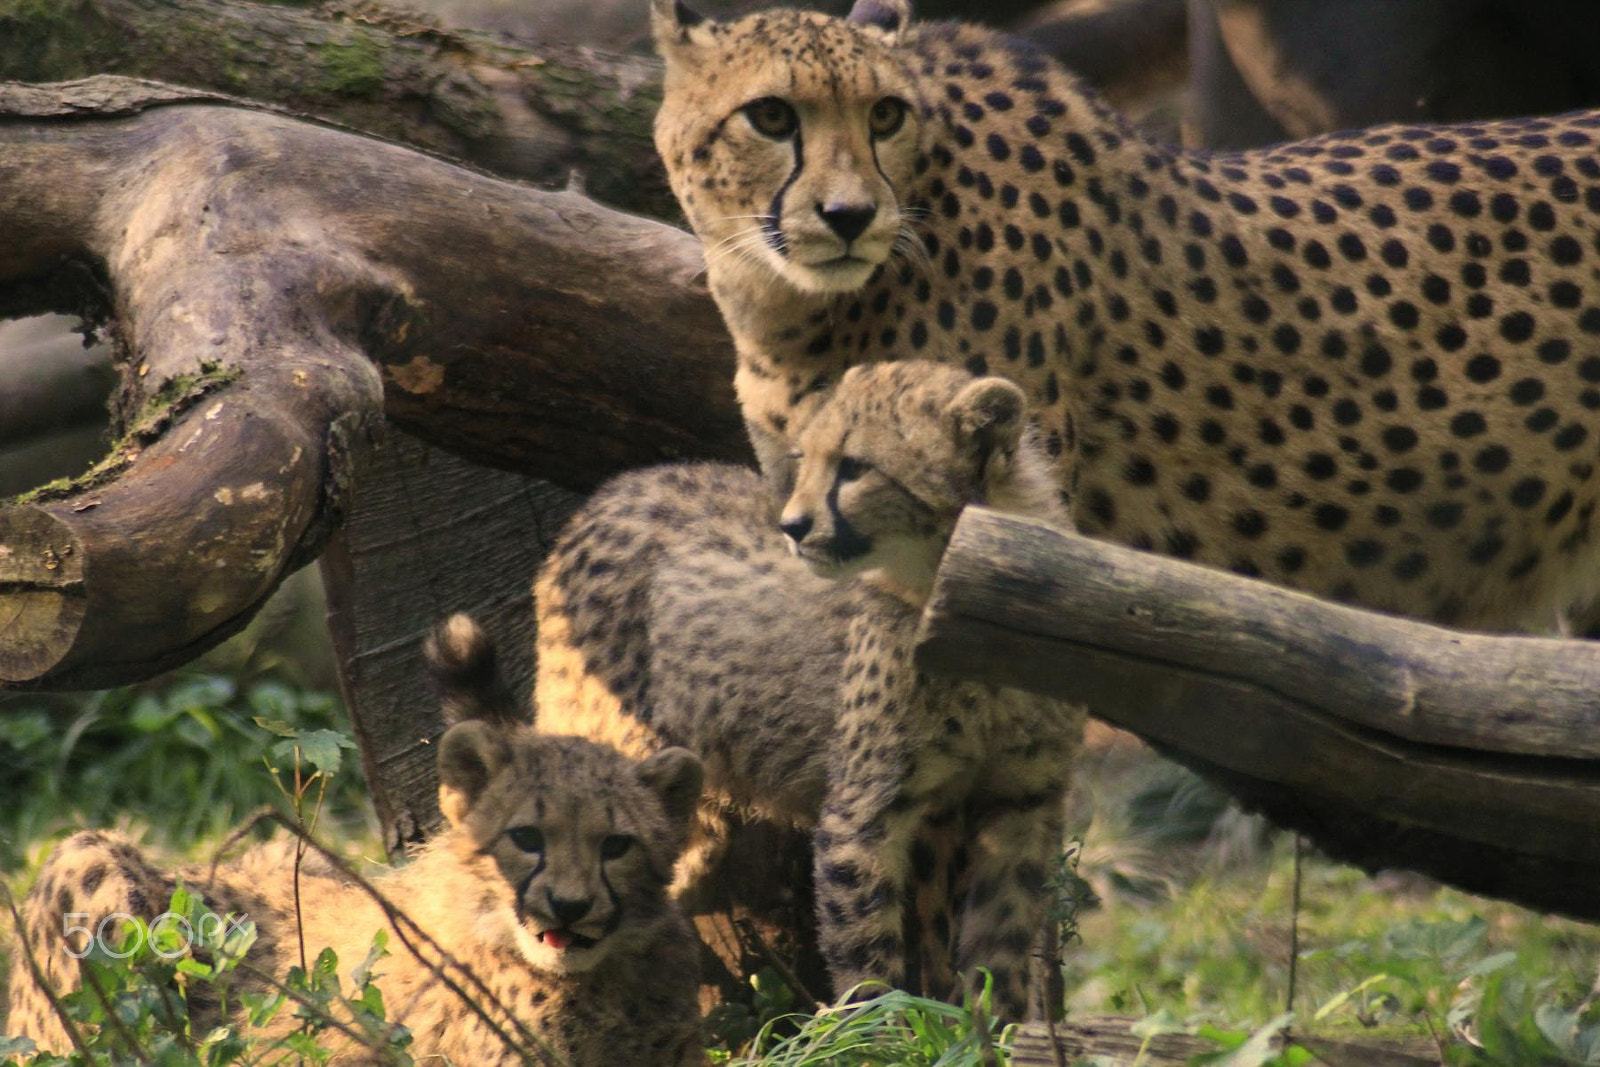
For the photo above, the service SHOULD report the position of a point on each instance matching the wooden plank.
(1110, 1037)
(1392, 743)
(428, 534)
(1410, 680)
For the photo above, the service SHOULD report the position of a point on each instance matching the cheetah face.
(577, 841)
(888, 463)
(790, 138)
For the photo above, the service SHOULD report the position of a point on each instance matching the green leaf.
(1257, 1051)
(362, 974)
(273, 726)
(320, 748)
(196, 968)
(1338, 1001)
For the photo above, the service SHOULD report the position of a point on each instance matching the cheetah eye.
(614, 846)
(773, 117)
(851, 468)
(527, 838)
(887, 116)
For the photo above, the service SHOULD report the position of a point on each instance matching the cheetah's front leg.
(862, 858)
(1015, 842)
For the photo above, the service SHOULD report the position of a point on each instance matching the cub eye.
(527, 838)
(615, 845)
(851, 468)
(887, 116)
(773, 117)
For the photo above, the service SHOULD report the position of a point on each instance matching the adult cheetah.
(1366, 365)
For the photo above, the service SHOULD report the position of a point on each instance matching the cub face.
(789, 138)
(887, 464)
(582, 838)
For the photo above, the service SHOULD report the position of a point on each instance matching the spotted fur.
(674, 610)
(1366, 365)
(532, 846)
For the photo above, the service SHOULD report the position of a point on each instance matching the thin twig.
(748, 932)
(1055, 1040)
(134, 1047)
(1294, 929)
(73, 1033)
(299, 853)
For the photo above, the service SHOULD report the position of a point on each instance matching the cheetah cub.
(550, 883)
(677, 609)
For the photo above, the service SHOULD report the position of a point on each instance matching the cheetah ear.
(889, 17)
(676, 775)
(470, 753)
(989, 415)
(676, 26)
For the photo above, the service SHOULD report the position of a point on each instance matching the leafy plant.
(166, 758)
(138, 1000)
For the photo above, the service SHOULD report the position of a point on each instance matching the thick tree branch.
(524, 111)
(1376, 734)
(260, 266)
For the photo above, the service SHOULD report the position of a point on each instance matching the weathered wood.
(262, 267)
(1110, 1038)
(1372, 733)
(529, 111)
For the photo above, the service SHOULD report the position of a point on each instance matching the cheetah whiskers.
(742, 245)
(908, 246)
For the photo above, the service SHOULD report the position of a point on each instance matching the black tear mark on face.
(772, 225)
(848, 542)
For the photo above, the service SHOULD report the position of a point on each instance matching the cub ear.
(675, 774)
(469, 755)
(675, 26)
(989, 414)
(889, 17)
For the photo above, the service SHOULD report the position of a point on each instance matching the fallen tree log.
(1110, 1041)
(1470, 757)
(278, 286)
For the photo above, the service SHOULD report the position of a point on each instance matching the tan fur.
(1366, 365)
(630, 998)
(673, 610)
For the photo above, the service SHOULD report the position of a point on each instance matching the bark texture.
(522, 110)
(1470, 757)
(278, 287)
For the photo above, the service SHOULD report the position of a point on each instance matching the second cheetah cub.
(550, 884)
(679, 608)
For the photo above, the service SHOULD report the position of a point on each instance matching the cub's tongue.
(556, 939)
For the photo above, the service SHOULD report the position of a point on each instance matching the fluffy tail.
(461, 658)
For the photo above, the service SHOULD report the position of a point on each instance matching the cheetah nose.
(567, 911)
(796, 527)
(849, 221)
